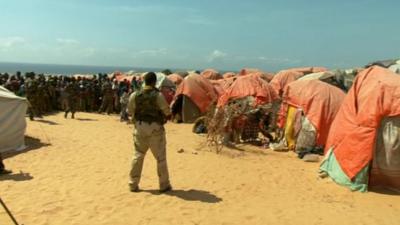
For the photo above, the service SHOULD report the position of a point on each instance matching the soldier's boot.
(66, 114)
(73, 115)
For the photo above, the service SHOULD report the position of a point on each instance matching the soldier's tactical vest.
(147, 109)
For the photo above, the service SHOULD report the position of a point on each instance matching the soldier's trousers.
(151, 136)
(107, 105)
(71, 107)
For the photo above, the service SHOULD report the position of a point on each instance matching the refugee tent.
(265, 75)
(285, 77)
(249, 86)
(183, 74)
(363, 144)
(342, 79)
(175, 78)
(166, 87)
(193, 97)
(382, 63)
(243, 109)
(307, 111)
(223, 84)
(211, 74)
(12, 120)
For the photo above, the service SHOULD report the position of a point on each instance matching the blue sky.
(222, 34)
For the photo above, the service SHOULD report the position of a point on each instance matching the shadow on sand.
(86, 119)
(189, 195)
(46, 121)
(21, 176)
(384, 191)
(31, 143)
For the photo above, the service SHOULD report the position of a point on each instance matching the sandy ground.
(75, 172)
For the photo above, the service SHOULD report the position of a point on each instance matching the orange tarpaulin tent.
(176, 78)
(199, 90)
(223, 84)
(250, 71)
(319, 101)
(285, 77)
(375, 94)
(211, 74)
(251, 85)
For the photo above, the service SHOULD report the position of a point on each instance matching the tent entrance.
(385, 171)
(185, 109)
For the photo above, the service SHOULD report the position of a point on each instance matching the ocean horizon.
(58, 69)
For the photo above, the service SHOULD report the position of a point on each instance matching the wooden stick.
(8, 212)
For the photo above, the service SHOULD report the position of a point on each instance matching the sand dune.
(75, 172)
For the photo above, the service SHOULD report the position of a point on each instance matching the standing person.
(107, 100)
(124, 104)
(149, 111)
(3, 168)
(72, 92)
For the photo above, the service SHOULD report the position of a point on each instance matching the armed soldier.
(149, 111)
(108, 98)
(71, 91)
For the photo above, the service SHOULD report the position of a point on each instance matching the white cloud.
(153, 52)
(217, 55)
(66, 41)
(10, 42)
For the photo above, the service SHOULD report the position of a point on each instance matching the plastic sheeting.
(12, 120)
(319, 101)
(175, 78)
(251, 85)
(200, 91)
(285, 77)
(250, 71)
(386, 163)
(374, 95)
(306, 136)
(211, 74)
(222, 85)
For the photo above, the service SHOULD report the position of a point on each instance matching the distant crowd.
(50, 93)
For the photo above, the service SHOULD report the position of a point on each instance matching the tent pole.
(8, 212)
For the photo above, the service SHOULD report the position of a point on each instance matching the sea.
(57, 69)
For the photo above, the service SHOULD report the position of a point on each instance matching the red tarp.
(176, 78)
(211, 74)
(319, 101)
(199, 90)
(250, 85)
(285, 77)
(375, 94)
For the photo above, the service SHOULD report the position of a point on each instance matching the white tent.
(395, 67)
(12, 120)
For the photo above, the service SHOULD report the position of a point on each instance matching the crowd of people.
(99, 93)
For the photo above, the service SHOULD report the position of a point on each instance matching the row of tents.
(354, 115)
